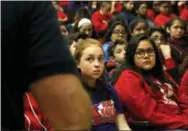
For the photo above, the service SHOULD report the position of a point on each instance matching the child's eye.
(101, 59)
(118, 51)
(89, 59)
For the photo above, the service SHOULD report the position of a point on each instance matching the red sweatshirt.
(61, 14)
(151, 14)
(100, 21)
(34, 118)
(161, 20)
(146, 105)
(184, 14)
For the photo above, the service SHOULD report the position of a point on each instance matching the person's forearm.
(64, 101)
(122, 123)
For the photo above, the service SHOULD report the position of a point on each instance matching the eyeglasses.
(119, 32)
(141, 53)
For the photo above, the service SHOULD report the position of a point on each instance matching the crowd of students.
(132, 58)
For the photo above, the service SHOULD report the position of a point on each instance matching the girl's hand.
(166, 51)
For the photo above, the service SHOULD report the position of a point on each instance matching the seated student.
(158, 35)
(100, 18)
(107, 111)
(141, 8)
(128, 11)
(116, 52)
(176, 29)
(153, 10)
(144, 90)
(117, 31)
(138, 26)
(80, 13)
(164, 17)
(83, 26)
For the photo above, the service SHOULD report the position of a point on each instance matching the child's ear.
(167, 30)
(78, 64)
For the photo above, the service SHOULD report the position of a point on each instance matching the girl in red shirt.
(145, 91)
(138, 26)
(164, 17)
(176, 29)
(158, 36)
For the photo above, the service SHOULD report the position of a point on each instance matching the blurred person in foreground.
(36, 57)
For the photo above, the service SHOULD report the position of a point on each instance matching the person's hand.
(166, 50)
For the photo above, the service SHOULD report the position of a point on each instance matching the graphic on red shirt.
(104, 112)
(167, 91)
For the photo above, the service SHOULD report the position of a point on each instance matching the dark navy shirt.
(106, 106)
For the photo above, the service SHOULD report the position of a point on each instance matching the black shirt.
(32, 48)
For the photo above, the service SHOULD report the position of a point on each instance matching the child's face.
(86, 29)
(145, 58)
(140, 28)
(119, 33)
(91, 62)
(158, 38)
(129, 5)
(106, 10)
(164, 8)
(176, 30)
(119, 53)
(142, 9)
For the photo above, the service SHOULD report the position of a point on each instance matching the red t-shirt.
(150, 14)
(61, 14)
(161, 19)
(157, 107)
(100, 21)
(184, 14)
